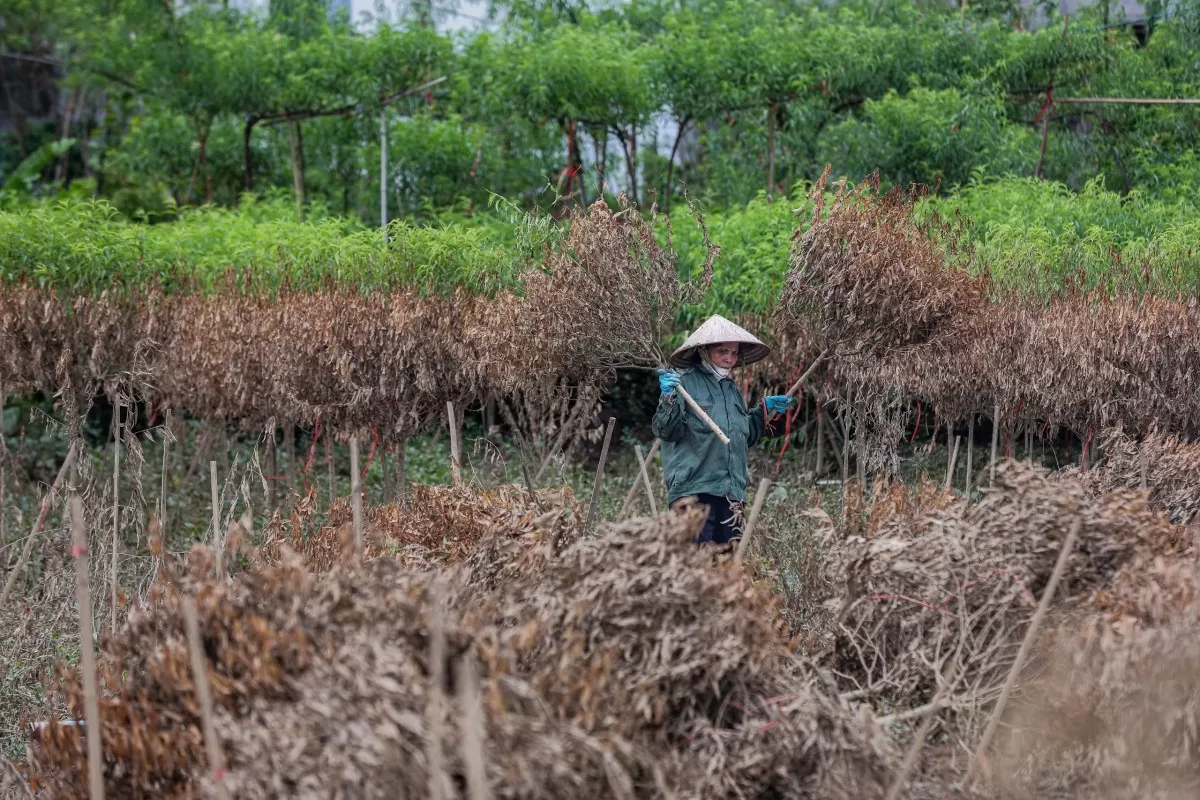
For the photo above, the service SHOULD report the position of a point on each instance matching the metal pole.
(383, 170)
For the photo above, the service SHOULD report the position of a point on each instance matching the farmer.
(697, 465)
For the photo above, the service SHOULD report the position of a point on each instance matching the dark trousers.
(720, 527)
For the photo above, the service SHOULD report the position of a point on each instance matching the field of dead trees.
(974, 575)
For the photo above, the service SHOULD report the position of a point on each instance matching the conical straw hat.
(715, 330)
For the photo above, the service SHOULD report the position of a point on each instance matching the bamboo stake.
(759, 498)
(218, 543)
(290, 436)
(950, 454)
(637, 449)
(112, 611)
(162, 495)
(634, 486)
(47, 503)
(400, 485)
(473, 733)
(329, 473)
(995, 443)
(455, 464)
(950, 468)
(216, 759)
(1142, 459)
(273, 470)
(612, 421)
(437, 789)
(356, 497)
(970, 451)
(820, 467)
(1027, 643)
(87, 656)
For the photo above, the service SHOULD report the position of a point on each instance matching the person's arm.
(669, 424)
(758, 424)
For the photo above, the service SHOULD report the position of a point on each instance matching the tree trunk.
(15, 112)
(247, 162)
(297, 163)
(772, 110)
(684, 121)
(1039, 173)
(60, 173)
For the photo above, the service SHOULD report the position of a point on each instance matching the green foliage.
(931, 137)
(87, 247)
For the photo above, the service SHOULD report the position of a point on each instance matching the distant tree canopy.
(163, 105)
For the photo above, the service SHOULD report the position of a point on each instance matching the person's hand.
(778, 403)
(668, 382)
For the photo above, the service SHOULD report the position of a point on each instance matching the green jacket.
(694, 460)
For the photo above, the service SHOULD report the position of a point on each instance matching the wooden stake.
(970, 451)
(400, 483)
(995, 443)
(820, 467)
(273, 471)
(329, 472)
(950, 467)
(1142, 458)
(216, 758)
(47, 502)
(472, 728)
(356, 497)
(289, 436)
(637, 449)
(612, 421)
(455, 464)
(759, 498)
(162, 495)
(636, 482)
(218, 542)
(112, 575)
(950, 453)
(1027, 643)
(437, 789)
(87, 656)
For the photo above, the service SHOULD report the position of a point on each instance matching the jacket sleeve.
(758, 424)
(669, 424)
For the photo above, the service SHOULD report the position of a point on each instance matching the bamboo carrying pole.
(636, 482)
(455, 464)
(759, 498)
(356, 497)
(702, 414)
(1060, 567)
(218, 544)
(637, 449)
(112, 575)
(612, 421)
(800, 381)
(47, 503)
(995, 443)
(87, 656)
(216, 759)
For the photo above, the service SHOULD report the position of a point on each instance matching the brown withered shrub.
(624, 666)
(935, 578)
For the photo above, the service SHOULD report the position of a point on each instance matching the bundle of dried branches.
(625, 667)
(894, 299)
(931, 579)
(1165, 465)
(1111, 710)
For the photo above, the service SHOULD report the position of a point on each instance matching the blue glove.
(779, 403)
(668, 381)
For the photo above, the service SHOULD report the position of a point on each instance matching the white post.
(383, 170)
